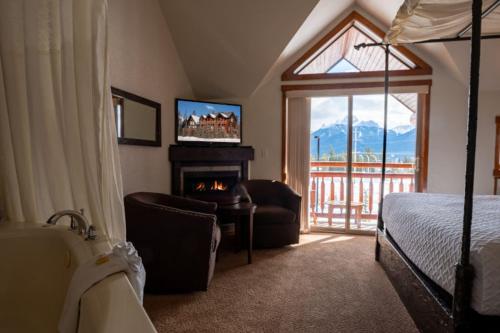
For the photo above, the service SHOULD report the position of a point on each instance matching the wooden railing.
(328, 181)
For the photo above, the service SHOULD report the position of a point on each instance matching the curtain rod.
(486, 12)
(437, 40)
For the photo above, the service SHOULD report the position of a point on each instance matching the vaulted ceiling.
(229, 47)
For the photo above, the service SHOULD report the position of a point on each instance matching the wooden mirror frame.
(145, 101)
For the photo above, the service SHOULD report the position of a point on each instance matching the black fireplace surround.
(208, 173)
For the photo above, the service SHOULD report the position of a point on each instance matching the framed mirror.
(138, 120)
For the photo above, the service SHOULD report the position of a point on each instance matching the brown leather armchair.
(177, 239)
(277, 218)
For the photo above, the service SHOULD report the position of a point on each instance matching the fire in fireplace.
(214, 186)
(204, 183)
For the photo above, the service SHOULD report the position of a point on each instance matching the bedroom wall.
(448, 137)
(144, 61)
(447, 132)
(489, 108)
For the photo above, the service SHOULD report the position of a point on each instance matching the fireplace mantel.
(186, 157)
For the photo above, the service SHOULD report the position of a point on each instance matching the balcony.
(328, 192)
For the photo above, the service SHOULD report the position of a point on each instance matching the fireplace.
(209, 173)
(204, 182)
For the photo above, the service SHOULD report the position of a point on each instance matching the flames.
(215, 185)
(200, 187)
(218, 186)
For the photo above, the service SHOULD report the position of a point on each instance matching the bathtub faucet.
(78, 222)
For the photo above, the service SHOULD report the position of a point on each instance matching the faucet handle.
(73, 225)
(91, 233)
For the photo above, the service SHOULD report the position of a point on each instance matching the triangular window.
(335, 56)
(343, 66)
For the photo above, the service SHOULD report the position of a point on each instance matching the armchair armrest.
(174, 201)
(293, 202)
(241, 190)
(271, 192)
(189, 204)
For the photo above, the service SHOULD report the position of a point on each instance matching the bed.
(441, 251)
(428, 229)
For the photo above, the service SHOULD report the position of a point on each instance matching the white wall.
(144, 61)
(489, 108)
(447, 134)
(262, 130)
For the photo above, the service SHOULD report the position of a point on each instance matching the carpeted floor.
(328, 283)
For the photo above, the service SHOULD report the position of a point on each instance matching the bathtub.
(37, 262)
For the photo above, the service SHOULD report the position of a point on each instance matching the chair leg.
(358, 218)
(330, 214)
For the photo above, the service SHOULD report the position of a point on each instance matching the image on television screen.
(208, 122)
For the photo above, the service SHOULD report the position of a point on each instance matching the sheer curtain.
(418, 20)
(57, 136)
(298, 152)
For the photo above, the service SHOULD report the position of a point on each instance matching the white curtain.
(418, 20)
(298, 152)
(57, 136)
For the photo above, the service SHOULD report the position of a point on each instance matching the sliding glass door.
(346, 157)
(329, 153)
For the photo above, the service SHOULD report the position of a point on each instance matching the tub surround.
(33, 302)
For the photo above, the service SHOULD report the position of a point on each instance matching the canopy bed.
(419, 235)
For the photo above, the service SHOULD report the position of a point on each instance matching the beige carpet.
(328, 283)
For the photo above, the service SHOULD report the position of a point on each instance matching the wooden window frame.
(423, 114)
(422, 68)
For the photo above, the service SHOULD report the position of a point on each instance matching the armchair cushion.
(273, 215)
(277, 217)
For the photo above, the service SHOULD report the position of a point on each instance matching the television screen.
(208, 122)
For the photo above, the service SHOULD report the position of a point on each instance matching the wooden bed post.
(380, 222)
(464, 273)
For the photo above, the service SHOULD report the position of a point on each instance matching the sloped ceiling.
(228, 46)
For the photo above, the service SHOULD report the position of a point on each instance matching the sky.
(186, 108)
(329, 110)
(343, 66)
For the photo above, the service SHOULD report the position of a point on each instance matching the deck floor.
(366, 225)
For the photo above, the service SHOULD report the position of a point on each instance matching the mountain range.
(367, 134)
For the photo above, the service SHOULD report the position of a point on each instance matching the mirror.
(138, 120)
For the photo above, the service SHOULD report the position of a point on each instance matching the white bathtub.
(36, 265)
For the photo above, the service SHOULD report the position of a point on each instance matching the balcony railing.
(328, 182)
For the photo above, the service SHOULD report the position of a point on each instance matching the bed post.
(380, 222)
(464, 273)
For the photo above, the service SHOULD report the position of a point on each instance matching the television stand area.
(208, 172)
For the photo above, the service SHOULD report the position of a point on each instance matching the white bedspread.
(428, 228)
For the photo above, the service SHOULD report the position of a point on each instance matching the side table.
(240, 212)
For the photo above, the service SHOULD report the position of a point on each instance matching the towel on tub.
(123, 258)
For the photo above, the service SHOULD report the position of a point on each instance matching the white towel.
(123, 258)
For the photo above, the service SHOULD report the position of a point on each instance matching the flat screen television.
(199, 122)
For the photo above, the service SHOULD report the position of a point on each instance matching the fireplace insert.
(214, 186)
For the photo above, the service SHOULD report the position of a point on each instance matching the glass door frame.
(421, 87)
